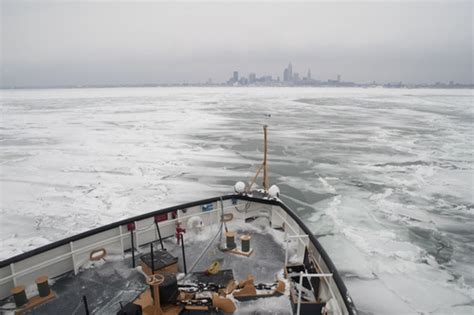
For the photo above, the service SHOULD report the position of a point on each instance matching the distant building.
(243, 81)
(288, 73)
(296, 77)
(286, 78)
(308, 77)
(338, 78)
(234, 79)
(252, 78)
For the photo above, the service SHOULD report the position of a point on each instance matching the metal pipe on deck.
(298, 308)
(86, 307)
(300, 289)
(159, 232)
(184, 254)
(131, 228)
(152, 256)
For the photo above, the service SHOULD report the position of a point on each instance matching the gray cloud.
(64, 43)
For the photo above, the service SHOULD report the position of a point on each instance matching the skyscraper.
(252, 78)
(285, 75)
(309, 74)
(290, 72)
(235, 77)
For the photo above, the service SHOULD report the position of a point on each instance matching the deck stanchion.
(152, 256)
(131, 228)
(184, 255)
(159, 232)
(133, 250)
(300, 289)
(86, 307)
(286, 247)
(300, 286)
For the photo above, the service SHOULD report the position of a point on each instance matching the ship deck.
(113, 281)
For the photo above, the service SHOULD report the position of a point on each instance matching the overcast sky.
(46, 43)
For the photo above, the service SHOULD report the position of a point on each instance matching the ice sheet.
(383, 176)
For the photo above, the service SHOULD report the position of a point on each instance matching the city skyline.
(293, 78)
(288, 78)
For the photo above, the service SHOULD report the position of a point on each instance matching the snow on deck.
(108, 283)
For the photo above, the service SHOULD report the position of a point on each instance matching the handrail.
(110, 226)
(309, 275)
(327, 260)
(88, 247)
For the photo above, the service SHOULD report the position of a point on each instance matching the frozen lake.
(383, 177)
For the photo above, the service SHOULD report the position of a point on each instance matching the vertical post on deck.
(73, 258)
(131, 228)
(12, 270)
(133, 249)
(159, 232)
(86, 307)
(286, 246)
(152, 256)
(298, 308)
(265, 166)
(184, 255)
(121, 240)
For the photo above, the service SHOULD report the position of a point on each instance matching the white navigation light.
(239, 187)
(274, 191)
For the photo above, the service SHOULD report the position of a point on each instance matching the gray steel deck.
(114, 281)
(104, 286)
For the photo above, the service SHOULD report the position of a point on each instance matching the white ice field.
(384, 177)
